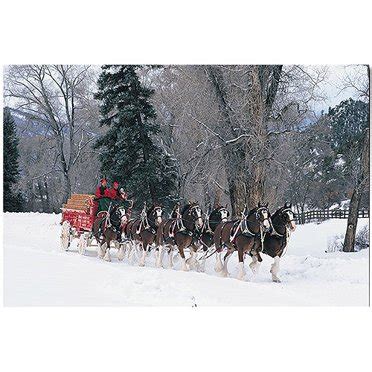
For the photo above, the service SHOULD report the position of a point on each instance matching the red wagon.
(77, 221)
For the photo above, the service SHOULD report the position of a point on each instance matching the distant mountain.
(27, 127)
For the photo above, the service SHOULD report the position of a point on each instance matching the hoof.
(276, 279)
(224, 274)
(142, 264)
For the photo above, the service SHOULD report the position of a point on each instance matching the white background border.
(165, 32)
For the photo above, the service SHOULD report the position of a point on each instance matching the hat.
(122, 191)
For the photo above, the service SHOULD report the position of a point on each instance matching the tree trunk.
(255, 187)
(236, 177)
(66, 187)
(47, 199)
(352, 221)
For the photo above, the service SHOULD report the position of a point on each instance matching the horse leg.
(275, 269)
(131, 251)
(255, 265)
(201, 262)
(192, 260)
(143, 257)
(224, 271)
(121, 253)
(218, 267)
(241, 272)
(184, 266)
(159, 256)
(107, 256)
(170, 257)
(101, 249)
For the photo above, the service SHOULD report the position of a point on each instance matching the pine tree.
(128, 152)
(349, 123)
(13, 201)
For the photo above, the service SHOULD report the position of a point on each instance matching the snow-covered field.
(38, 273)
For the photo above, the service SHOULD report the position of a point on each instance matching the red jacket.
(115, 194)
(106, 192)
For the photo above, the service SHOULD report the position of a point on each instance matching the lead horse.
(276, 241)
(244, 236)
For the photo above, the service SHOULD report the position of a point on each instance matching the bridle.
(208, 218)
(287, 230)
(190, 211)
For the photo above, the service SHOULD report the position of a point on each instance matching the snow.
(38, 273)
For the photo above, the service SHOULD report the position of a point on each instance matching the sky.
(332, 85)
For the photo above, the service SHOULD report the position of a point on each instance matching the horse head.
(262, 216)
(219, 214)
(192, 216)
(118, 215)
(155, 215)
(287, 216)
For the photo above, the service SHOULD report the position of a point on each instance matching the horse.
(244, 235)
(183, 230)
(218, 215)
(107, 228)
(143, 230)
(276, 241)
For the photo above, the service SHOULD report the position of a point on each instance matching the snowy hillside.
(37, 272)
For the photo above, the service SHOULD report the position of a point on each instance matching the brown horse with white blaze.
(244, 236)
(182, 231)
(276, 241)
(143, 230)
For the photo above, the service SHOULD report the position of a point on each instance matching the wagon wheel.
(89, 240)
(83, 243)
(65, 236)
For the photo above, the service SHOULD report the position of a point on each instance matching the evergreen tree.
(13, 201)
(128, 152)
(349, 123)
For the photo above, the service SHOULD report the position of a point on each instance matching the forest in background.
(234, 135)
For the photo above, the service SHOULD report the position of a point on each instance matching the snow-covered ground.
(38, 273)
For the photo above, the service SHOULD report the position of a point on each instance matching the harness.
(145, 223)
(286, 235)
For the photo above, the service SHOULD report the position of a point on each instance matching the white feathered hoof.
(121, 253)
(254, 266)
(201, 266)
(142, 259)
(101, 251)
(219, 266)
(224, 274)
(276, 279)
(184, 266)
(107, 256)
(241, 272)
(159, 264)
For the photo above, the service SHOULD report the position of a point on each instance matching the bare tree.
(361, 176)
(54, 96)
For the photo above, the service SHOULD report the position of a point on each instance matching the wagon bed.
(79, 212)
(78, 216)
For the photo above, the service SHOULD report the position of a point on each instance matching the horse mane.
(188, 206)
(277, 212)
(150, 209)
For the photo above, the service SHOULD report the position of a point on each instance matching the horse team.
(254, 233)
